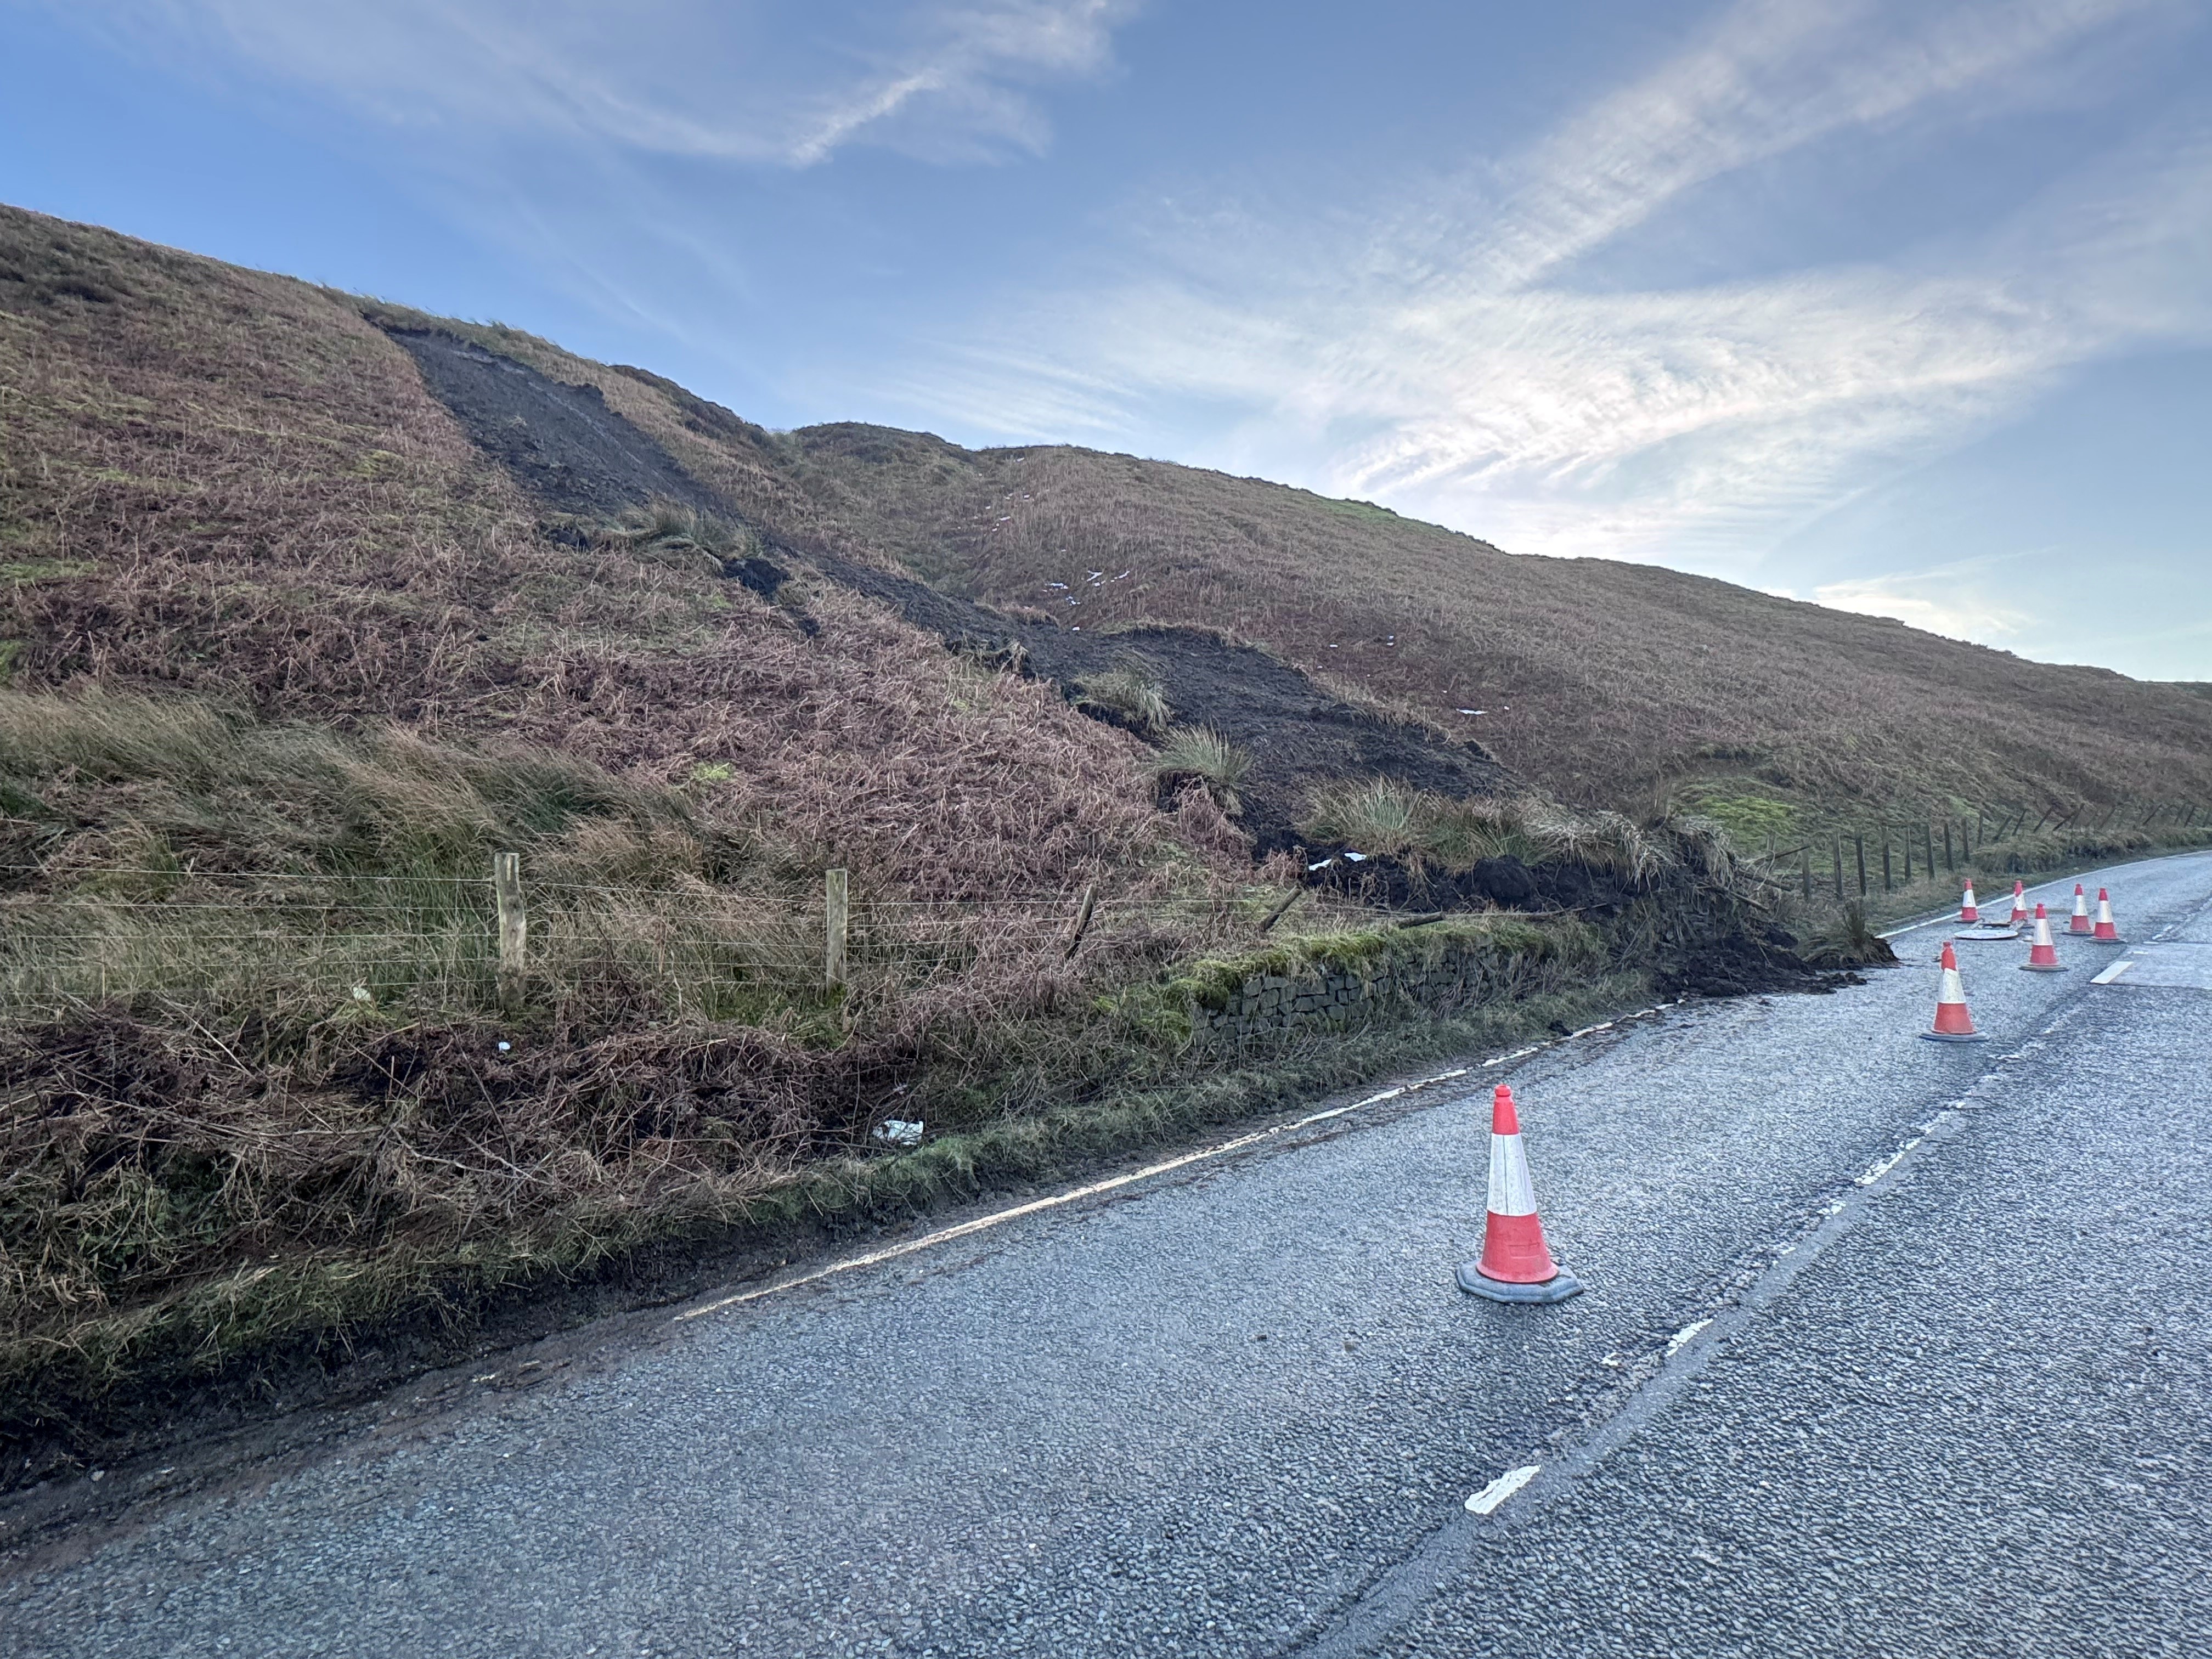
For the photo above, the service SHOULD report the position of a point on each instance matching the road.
(1891, 1348)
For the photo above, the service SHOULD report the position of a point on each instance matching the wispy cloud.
(1449, 351)
(1963, 601)
(776, 83)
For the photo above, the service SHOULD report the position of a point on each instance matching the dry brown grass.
(230, 484)
(289, 660)
(1605, 683)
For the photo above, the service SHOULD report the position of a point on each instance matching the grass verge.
(82, 1383)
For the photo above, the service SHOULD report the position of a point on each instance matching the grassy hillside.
(289, 658)
(290, 651)
(312, 603)
(1606, 683)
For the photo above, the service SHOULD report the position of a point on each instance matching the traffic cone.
(1969, 914)
(1515, 1265)
(1953, 1022)
(2080, 924)
(2018, 916)
(2043, 954)
(2107, 932)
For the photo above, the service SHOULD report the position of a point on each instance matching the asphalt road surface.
(1890, 1348)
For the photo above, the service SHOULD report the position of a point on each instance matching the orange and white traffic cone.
(2080, 924)
(1516, 1265)
(1953, 1022)
(2018, 916)
(2043, 954)
(2108, 932)
(1970, 915)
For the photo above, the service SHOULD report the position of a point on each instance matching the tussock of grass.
(1380, 816)
(1198, 752)
(681, 534)
(1133, 693)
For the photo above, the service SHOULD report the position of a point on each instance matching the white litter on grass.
(1502, 1488)
(1355, 858)
(1323, 865)
(898, 1132)
(361, 994)
(1474, 711)
(504, 1045)
(1683, 1338)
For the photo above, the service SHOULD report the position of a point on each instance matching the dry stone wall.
(1270, 1005)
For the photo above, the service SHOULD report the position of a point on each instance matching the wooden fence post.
(1858, 845)
(1805, 854)
(1950, 866)
(513, 928)
(1280, 909)
(1887, 886)
(836, 916)
(1928, 845)
(1839, 870)
(1082, 922)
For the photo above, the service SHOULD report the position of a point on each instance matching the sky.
(1898, 305)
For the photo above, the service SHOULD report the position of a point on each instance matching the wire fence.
(1887, 856)
(373, 939)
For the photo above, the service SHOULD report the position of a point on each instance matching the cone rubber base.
(2042, 967)
(1951, 1036)
(2093, 940)
(1475, 1282)
(1974, 935)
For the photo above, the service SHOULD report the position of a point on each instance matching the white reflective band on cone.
(1510, 1192)
(1950, 988)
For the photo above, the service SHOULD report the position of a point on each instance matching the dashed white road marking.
(2114, 971)
(1876, 1171)
(1683, 1338)
(1502, 1488)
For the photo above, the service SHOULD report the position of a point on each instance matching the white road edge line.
(1112, 1184)
(1683, 1338)
(1502, 1488)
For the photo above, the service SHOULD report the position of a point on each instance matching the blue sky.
(1903, 306)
